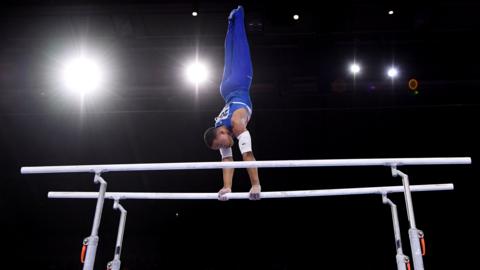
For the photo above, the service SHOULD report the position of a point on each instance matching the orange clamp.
(422, 242)
(82, 255)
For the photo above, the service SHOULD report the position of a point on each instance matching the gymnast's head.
(216, 138)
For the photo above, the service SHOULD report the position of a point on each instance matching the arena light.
(196, 72)
(354, 68)
(392, 72)
(82, 74)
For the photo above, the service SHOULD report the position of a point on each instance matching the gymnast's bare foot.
(232, 13)
(255, 192)
(222, 194)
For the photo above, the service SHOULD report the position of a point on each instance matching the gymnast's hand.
(222, 194)
(255, 192)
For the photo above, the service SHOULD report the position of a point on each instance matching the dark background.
(306, 106)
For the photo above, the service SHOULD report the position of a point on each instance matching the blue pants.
(237, 72)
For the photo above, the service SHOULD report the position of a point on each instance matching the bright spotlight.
(296, 17)
(194, 14)
(82, 75)
(392, 72)
(197, 73)
(390, 12)
(354, 68)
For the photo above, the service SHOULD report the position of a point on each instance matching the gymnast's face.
(223, 139)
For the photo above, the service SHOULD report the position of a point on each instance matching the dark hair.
(209, 136)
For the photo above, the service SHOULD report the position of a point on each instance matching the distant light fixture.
(296, 17)
(194, 14)
(413, 84)
(354, 68)
(82, 74)
(196, 73)
(390, 12)
(392, 72)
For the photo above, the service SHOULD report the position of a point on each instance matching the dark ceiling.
(306, 106)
